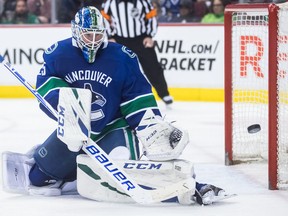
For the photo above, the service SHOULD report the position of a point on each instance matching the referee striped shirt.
(130, 18)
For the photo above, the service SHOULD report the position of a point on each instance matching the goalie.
(100, 92)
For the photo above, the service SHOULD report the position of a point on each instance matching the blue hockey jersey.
(121, 93)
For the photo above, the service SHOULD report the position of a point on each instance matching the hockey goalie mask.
(88, 29)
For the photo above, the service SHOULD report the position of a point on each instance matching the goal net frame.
(272, 11)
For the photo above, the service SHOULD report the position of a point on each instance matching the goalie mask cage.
(256, 87)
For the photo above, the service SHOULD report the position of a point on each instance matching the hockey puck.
(254, 128)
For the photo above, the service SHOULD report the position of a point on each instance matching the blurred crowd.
(41, 11)
(63, 11)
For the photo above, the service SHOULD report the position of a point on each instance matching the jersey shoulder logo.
(129, 52)
(51, 48)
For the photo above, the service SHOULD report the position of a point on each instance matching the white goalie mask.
(88, 29)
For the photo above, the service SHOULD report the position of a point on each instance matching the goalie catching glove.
(160, 139)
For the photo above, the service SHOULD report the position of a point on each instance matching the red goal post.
(256, 87)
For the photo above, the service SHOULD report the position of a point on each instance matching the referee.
(133, 23)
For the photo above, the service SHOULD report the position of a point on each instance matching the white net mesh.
(282, 85)
(250, 82)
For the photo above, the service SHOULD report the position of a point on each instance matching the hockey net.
(256, 87)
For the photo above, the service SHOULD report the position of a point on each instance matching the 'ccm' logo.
(142, 166)
(61, 122)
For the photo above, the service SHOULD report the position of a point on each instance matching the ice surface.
(23, 125)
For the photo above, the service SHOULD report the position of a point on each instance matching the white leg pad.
(15, 170)
(15, 176)
(93, 183)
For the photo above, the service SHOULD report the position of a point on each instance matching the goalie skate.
(222, 197)
(210, 194)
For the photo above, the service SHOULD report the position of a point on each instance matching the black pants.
(149, 62)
